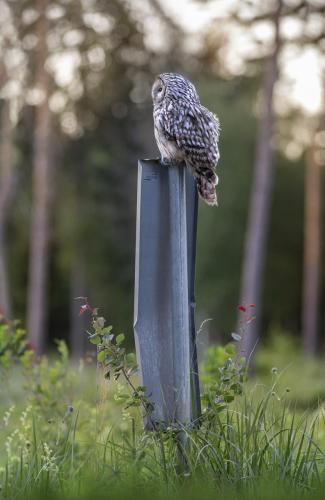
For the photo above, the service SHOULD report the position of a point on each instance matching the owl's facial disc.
(158, 91)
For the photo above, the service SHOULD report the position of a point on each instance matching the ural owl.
(186, 131)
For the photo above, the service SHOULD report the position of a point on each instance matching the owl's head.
(173, 86)
(158, 90)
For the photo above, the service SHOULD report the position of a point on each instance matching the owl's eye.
(160, 89)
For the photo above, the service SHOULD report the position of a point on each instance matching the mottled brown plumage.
(186, 131)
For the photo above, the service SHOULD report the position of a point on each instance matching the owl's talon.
(166, 162)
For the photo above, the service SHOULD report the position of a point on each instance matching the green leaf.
(101, 356)
(95, 339)
(237, 388)
(130, 358)
(122, 396)
(230, 349)
(120, 338)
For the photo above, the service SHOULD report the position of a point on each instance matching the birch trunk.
(38, 263)
(6, 191)
(258, 216)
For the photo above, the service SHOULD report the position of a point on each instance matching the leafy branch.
(226, 370)
(14, 346)
(112, 355)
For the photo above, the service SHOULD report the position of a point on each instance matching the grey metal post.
(180, 327)
(191, 219)
(164, 291)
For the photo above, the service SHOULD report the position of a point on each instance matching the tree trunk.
(258, 216)
(312, 238)
(38, 263)
(6, 191)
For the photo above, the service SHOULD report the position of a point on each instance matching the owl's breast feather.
(167, 146)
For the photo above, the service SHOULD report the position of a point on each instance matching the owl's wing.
(195, 130)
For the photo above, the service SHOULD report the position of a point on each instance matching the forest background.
(76, 114)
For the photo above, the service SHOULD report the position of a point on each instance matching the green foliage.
(13, 344)
(252, 440)
(85, 448)
(116, 362)
(300, 377)
(49, 383)
(223, 374)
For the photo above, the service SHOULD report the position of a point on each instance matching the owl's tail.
(206, 182)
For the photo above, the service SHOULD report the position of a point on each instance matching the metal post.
(164, 291)
(191, 217)
(180, 328)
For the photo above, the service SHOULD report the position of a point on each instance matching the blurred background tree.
(76, 75)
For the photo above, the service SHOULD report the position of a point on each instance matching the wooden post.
(164, 291)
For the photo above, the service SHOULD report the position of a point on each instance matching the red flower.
(241, 308)
(83, 309)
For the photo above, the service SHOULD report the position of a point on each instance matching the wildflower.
(126, 415)
(7, 416)
(48, 459)
(241, 308)
(8, 445)
(274, 394)
(25, 423)
(83, 309)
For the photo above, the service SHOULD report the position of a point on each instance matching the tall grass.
(66, 439)
(254, 445)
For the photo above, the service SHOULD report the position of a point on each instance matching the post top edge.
(150, 160)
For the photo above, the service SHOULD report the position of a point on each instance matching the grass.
(255, 445)
(66, 434)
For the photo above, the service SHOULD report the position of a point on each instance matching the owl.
(186, 131)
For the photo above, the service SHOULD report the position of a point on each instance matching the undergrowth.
(62, 438)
